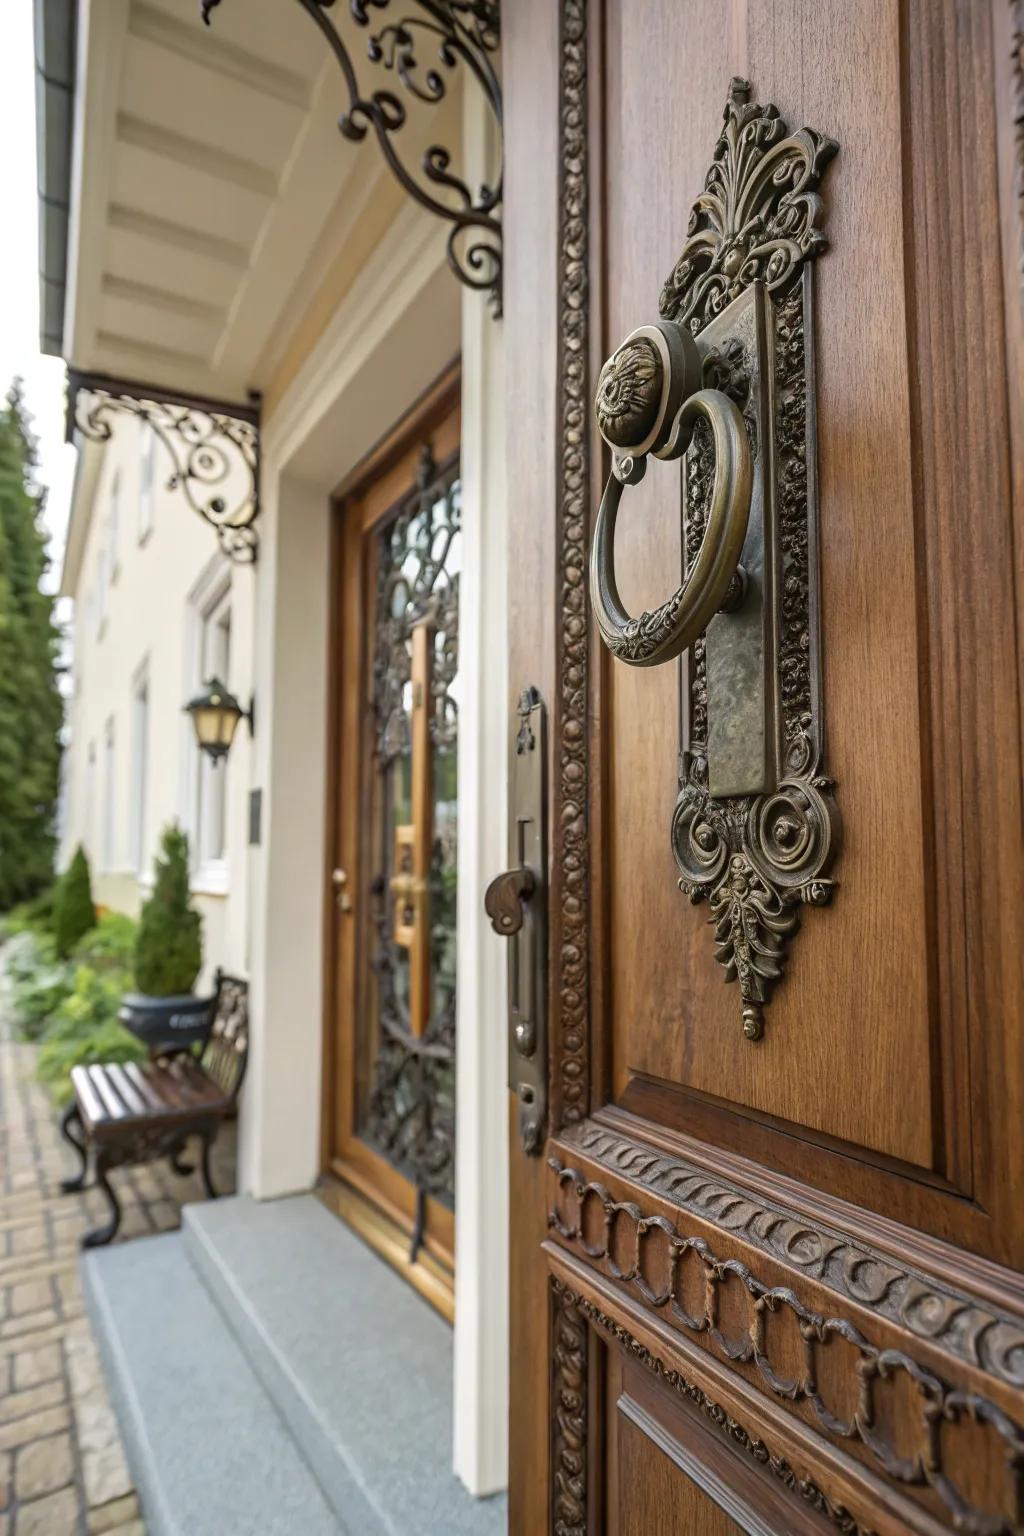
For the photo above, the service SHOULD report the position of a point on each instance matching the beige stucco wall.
(150, 621)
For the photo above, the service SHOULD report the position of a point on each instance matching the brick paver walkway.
(62, 1466)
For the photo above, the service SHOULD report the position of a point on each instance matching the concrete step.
(209, 1453)
(358, 1365)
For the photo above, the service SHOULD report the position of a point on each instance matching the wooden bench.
(137, 1113)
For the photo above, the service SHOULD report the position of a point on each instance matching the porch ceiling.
(210, 179)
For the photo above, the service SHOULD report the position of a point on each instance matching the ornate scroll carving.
(683, 1277)
(758, 860)
(570, 915)
(567, 1302)
(213, 449)
(1017, 67)
(568, 1414)
(948, 1318)
(757, 217)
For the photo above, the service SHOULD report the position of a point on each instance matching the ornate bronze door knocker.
(648, 402)
(724, 381)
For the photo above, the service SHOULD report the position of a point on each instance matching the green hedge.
(71, 1006)
(35, 916)
(39, 980)
(84, 1029)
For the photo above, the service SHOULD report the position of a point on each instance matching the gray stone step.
(209, 1452)
(355, 1361)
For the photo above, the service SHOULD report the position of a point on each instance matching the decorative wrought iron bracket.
(214, 448)
(465, 32)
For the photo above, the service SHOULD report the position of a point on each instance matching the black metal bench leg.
(101, 1235)
(208, 1142)
(178, 1164)
(74, 1134)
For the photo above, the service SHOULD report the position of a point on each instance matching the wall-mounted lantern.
(215, 715)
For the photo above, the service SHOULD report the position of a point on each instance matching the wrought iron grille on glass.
(408, 1099)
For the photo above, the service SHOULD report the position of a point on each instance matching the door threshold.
(434, 1282)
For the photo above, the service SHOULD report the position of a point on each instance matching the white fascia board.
(102, 28)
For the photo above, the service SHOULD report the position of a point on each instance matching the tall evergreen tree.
(31, 708)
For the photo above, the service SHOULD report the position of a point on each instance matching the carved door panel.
(390, 1036)
(767, 1257)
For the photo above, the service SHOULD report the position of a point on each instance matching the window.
(102, 589)
(89, 808)
(140, 769)
(147, 475)
(109, 798)
(209, 818)
(114, 526)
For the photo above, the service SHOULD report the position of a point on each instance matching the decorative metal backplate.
(756, 858)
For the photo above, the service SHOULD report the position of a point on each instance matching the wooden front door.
(389, 1079)
(768, 1257)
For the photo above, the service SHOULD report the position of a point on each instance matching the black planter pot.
(168, 1023)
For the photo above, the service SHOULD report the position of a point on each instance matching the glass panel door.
(407, 1110)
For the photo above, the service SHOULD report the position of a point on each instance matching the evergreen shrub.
(73, 910)
(168, 950)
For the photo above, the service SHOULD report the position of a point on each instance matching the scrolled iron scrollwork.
(465, 33)
(214, 454)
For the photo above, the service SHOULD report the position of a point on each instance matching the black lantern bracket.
(213, 446)
(464, 33)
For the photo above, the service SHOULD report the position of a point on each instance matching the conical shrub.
(169, 949)
(73, 910)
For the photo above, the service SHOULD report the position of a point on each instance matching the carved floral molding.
(570, 916)
(681, 1277)
(948, 1318)
(571, 1314)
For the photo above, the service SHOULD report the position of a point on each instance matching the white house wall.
(145, 625)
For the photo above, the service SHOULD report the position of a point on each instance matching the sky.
(19, 281)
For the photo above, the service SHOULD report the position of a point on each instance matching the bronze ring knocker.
(648, 401)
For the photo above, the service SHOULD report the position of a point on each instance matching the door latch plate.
(516, 904)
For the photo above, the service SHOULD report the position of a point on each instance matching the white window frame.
(102, 589)
(209, 603)
(108, 831)
(89, 807)
(141, 726)
(114, 526)
(147, 480)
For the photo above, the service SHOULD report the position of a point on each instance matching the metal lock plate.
(516, 903)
